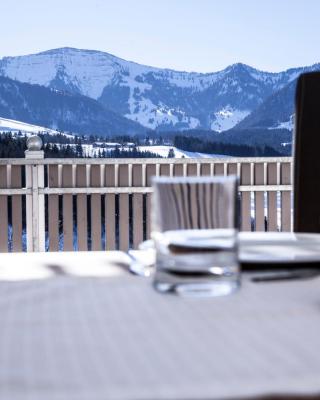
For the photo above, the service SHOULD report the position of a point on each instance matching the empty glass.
(194, 228)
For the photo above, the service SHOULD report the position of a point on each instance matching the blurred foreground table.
(78, 326)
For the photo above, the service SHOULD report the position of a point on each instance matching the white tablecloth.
(67, 337)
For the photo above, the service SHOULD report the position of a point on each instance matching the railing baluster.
(245, 198)
(3, 211)
(123, 208)
(259, 197)
(148, 215)
(184, 169)
(53, 209)
(285, 198)
(272, 198)
(110, 225)
(16, 209)
(123, 221)
(110, 199)
(95, 181)
(82, 221)
(137, 206)
(67, 208)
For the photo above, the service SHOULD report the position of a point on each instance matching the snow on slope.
(7, 125)
(91, 71)
(285, 125)
(227, 118)
(91, 151)
(163, 152)
(147, 114)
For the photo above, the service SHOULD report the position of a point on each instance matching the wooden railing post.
(35, 213)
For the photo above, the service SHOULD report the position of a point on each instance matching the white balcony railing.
(97, 204)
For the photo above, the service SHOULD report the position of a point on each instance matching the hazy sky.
(191, 35)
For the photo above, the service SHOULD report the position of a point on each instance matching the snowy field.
(90, 150)
(164, 150)
(227, 118)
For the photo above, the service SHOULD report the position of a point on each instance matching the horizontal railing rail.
(97, 204)
(107, 161)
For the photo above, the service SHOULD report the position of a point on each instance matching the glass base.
(197, 262)
(209, 286)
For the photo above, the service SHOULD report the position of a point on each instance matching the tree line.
(61, 146)
(195, 144)
(64, 147)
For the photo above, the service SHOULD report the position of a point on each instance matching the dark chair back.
(307, 154)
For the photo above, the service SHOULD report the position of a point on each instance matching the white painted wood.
(11, 192)
(278, 172)
(35, 208)
(41, 209)
(242, 188)
(106, 161)
(3, 211)
(171, 169)
(38, 226)
(16, 212)
(34, 154)
(29, 208)
(252, 174)
(144, 175)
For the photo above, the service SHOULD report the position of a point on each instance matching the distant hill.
(54, 109)
(276, 112)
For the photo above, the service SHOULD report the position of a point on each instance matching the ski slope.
(11, 125)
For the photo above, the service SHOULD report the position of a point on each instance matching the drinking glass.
(194, 229)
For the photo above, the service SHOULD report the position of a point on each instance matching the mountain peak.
(69, 50)
(239, 66)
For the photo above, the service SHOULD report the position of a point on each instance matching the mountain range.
(95, 92)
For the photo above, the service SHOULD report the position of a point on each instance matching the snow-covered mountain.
(156, 98)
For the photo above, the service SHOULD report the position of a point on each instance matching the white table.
(83, 328)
